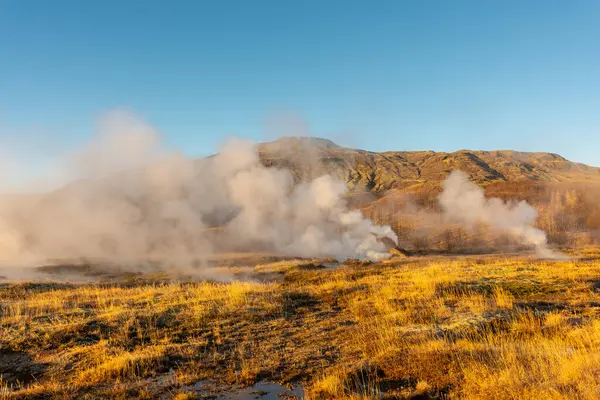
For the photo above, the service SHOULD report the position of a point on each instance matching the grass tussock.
(467, 327)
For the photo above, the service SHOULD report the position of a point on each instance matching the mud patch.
(17, 368)
(262, 390)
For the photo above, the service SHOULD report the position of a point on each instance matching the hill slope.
(377, 172)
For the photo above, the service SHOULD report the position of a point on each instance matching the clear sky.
(379, 75)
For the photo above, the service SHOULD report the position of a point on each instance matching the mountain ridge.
(378, 172)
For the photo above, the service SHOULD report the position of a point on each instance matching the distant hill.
(378, 172)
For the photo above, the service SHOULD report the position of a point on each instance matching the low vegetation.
(466, 327)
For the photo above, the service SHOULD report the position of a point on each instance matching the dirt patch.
(17, 368)
(262, 390)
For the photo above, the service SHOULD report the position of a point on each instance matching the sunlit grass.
(488, 327)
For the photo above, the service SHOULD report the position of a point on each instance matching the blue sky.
(379, 75)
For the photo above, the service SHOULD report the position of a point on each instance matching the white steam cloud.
(136, 202)
(464, 202)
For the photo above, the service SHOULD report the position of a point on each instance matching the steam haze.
(136, 202)
(465, 203)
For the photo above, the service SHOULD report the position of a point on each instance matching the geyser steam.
(464, 202)
(140, 202)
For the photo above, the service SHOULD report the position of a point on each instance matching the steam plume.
(464, 202)
(136, 201)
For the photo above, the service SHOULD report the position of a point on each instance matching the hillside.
(378, 172)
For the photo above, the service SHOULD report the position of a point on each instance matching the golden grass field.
(461, 327)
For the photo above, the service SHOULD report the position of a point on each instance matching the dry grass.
(466, 327)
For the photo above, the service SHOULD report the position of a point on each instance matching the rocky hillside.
(378, 172)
